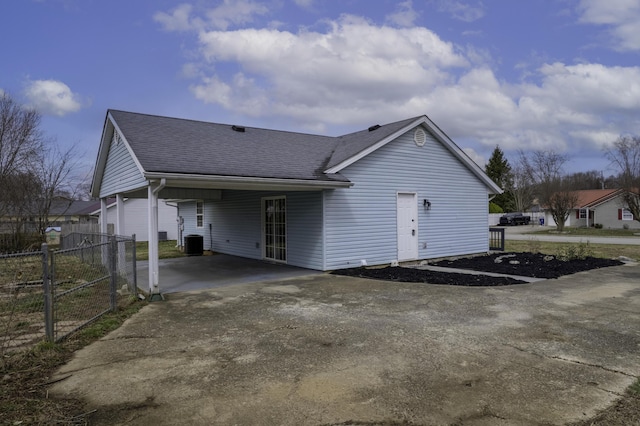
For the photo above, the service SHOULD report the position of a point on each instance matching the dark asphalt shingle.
(173, 145)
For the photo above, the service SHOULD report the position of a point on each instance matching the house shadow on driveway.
(205, 272)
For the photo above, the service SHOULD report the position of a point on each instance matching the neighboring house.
(398, 192)
(602, 206)
(137, 220)
(62, 212)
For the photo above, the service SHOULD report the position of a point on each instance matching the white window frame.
(583, 213)
(626, 214)
(200, 214)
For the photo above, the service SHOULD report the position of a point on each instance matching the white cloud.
(52, 97)
(304, 3)
(356, 73)
(178, 20)
(621, 16)
(462, 11)
(337, 75)
(477, 158)
(405, 16)
(225, 15)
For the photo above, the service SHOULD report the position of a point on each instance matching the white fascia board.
(243, 182)
(101, 159)
(605, 199)
(338, 167)
(110, 126)
(462, 156)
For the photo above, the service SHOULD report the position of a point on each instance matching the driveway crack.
(573, 361)
(602, 367)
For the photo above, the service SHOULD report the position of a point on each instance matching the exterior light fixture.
(427, 204)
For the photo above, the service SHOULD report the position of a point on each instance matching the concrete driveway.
(329, 350)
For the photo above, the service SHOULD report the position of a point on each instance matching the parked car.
(514, 219)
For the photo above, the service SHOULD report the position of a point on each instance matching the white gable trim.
(440, 135)
(123, 139)
(338, 167)
(108, 130)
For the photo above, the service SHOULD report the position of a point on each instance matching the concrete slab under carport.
(203, 272)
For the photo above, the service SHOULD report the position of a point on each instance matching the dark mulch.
(524, 264)
(535, 265)
(413, 275)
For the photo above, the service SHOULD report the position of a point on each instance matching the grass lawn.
(592, 232)
(607, 251)
(166, 250)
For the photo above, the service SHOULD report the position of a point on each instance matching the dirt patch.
(536, 265)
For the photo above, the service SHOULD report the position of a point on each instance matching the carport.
(145, 172)
(218, 270)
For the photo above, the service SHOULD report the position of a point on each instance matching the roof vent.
(237, 128)
(420, 137)
(374, 127)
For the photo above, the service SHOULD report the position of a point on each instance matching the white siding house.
(399, 192)
(137, 220)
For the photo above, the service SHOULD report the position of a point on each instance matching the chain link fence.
(21, 300)
(50, 294)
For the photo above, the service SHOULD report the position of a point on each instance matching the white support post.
(153, 242)
(154, 272)
(119, 214)
(587, 211)
(103, 216)
(120, 225)
(104, 229)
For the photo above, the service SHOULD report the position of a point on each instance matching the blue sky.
(524, 75)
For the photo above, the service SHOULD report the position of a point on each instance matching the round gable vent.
(420, 137)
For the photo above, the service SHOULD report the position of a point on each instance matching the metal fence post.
(113, 269)
(48, 293)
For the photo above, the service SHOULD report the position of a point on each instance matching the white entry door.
(407, 226)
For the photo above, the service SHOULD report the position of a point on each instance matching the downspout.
(178, 238)
(587, 211)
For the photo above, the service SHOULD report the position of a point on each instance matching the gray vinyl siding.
(121, 173)
(237, 225)
(360, 222)
(607, 215)
(187, 210)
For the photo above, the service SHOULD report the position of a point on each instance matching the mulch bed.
(535, 265)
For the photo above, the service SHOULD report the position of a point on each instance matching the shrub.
(578, 251)
(598, 226)
(494, 208)
(625, 226)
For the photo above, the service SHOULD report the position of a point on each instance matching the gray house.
(398, 192)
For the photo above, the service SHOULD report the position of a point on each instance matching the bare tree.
(34, 172)
(624, 155)
(545, 169)
(520, 187)
(20, 142)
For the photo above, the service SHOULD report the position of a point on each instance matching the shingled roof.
(181, 147)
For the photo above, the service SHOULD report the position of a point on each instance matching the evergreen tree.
(499, 170)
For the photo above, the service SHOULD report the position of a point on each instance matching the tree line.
(34, 173)
(539, 177)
